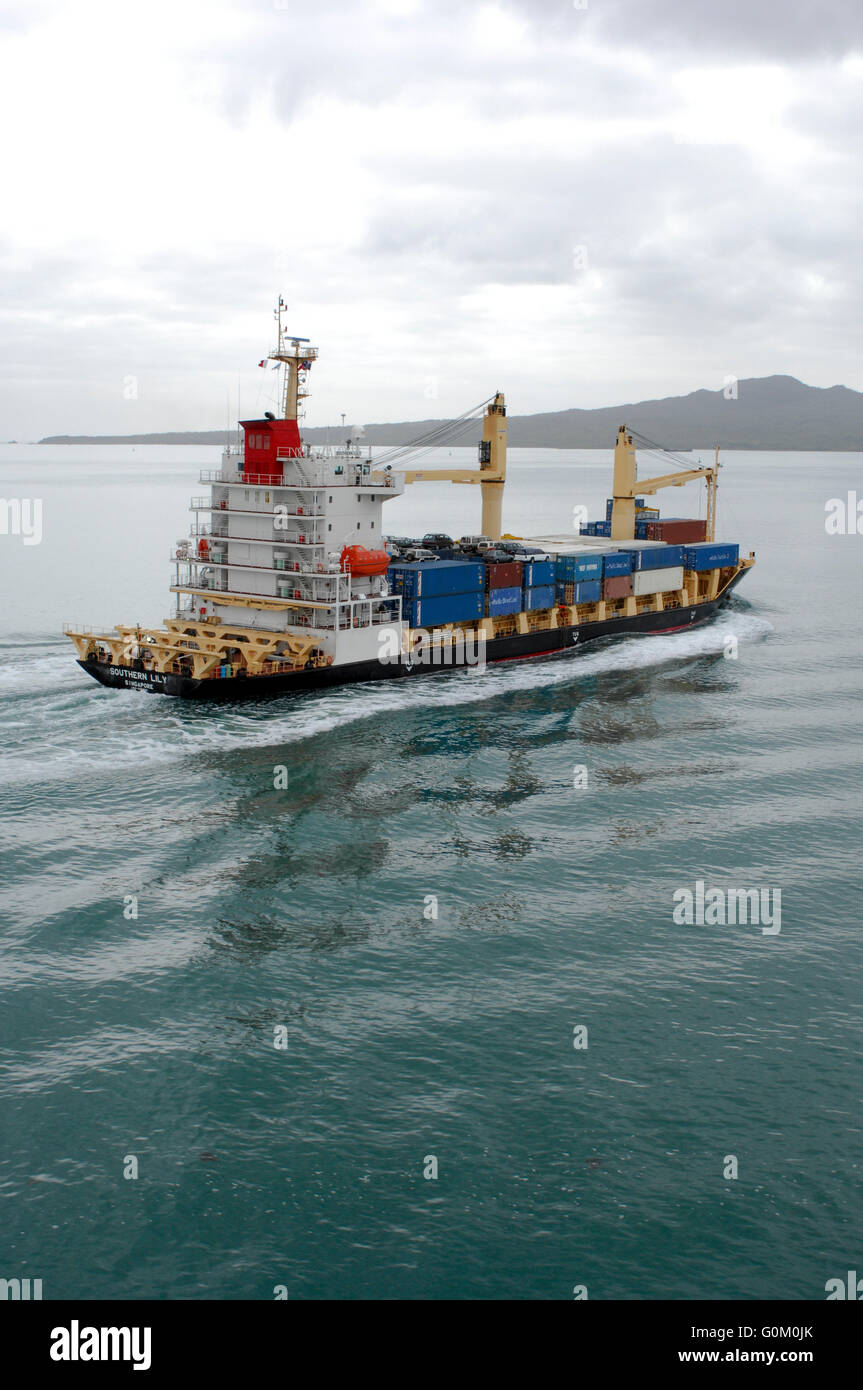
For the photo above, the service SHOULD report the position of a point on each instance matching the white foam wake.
(124, 728)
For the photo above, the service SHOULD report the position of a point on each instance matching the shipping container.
(569, 569)
(603, 528)
(618, 586)
(657, 581)
(541, 596)
(710, 556)
(503, 575)
(679, 530)
(656, 555)
(588, 591)
(640, 530)
(445, 608)
(502, 601)
(615, 563)
(434, 578)
(537, 572)
(609, 503)
(587, 528)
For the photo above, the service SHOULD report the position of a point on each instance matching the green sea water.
(337, 1040)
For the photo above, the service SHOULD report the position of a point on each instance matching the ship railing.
(271, 667)
(265, 480)
(207, 529)
(216, 562)
(323, 452)
(88, 629)
(282, 541)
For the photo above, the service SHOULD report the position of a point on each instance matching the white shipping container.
(657, 581)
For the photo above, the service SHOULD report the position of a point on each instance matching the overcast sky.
(578, 204)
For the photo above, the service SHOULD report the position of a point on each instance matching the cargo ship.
(287, 582)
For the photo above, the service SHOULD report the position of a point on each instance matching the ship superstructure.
(285, 582)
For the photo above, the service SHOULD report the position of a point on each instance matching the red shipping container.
(618, 586)
(504, 576)
(680, 531)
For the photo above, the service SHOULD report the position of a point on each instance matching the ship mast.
(297, 358)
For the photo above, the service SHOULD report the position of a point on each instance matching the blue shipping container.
(709, 556)
(396, 577)
(434, 578)
(588, 591)
(641, 530)
(446, 608)
(502, 601)
(618, 562)
(656, 557)
(603, 528)
(541, 596)
(536, 572)
(569, 569)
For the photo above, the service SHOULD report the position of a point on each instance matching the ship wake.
(58, 727)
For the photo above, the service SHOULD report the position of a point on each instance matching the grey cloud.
(763, 30)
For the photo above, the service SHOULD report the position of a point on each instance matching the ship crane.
(627, 485)
(491, 474)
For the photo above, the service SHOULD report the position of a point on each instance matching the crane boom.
(627, 484)
(491, 474)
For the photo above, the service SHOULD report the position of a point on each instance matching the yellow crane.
(627, 484)
(491, 474)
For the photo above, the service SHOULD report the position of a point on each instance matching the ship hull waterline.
(552, 642)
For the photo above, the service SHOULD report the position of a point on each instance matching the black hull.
(556, 642)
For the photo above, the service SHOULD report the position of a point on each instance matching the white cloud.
(414, 178)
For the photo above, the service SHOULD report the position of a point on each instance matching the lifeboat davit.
(356, 559)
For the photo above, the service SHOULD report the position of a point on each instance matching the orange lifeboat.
(356, 559)
(203, 548)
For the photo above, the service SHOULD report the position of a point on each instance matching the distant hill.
(772, 412)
